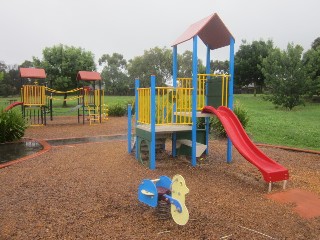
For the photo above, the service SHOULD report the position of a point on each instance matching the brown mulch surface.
(89, 191)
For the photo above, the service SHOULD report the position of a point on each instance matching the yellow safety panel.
(33, 95)
(170, 100)
(178, 192)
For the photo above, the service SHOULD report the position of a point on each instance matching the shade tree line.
(285, 74)
(62, 64)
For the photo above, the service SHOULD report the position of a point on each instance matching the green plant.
(12, 126)
(117, 110)
(240, 112)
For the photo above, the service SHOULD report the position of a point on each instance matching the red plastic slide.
(270, 169)
(12, 105)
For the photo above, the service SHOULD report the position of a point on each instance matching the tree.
(62, 64)
(115, 74)
(12, 80)
(248, 60)
(285, 76)
(156, 61)
(316, 43)
(27, 64)
(219, 66)
(9, 79)
(3, 67)
(185, 65)
(311, 61)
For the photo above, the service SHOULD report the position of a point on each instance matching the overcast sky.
(129, 27)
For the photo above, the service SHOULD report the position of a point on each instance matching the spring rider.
(172, 192)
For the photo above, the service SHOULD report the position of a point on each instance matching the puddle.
(13, 151)
(68, 141)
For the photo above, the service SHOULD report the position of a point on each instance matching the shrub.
(133, 107)
(242, 114)
(117, 110)
(215, 125)
(12, 126)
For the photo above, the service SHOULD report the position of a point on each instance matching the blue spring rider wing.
(147, 193)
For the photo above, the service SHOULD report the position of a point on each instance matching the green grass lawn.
(58, 110)
(297, 128)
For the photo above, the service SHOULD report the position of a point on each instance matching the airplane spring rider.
(173, 192)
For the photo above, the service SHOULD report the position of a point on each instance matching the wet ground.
(13, 151)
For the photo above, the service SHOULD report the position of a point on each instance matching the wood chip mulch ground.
(89, 191)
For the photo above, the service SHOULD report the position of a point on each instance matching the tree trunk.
(65, 100)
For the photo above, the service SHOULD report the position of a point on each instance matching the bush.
(242, 114)
(117, 110)
(12, 126)
(215, 125)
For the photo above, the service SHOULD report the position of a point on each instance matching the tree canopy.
(62, 64)
(221, 67)
(115, 74)
(185, 65)
(156, 61)
(9, 79)
(311, 61)
(316, 43)
(285, 76)
(248, 60)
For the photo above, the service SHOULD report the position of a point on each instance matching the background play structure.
(37, 97)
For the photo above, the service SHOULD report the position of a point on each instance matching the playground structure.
(92, 102)
(37, 99)
(163, 112)
(165, 191)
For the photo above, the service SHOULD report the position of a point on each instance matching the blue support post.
(129, 128)
(208, 61)
(152, 154)
(136, 86)
(230, 98)
(174, 66)
(207, 119)
(174, 84)
(194, 100)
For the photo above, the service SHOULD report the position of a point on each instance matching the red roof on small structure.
(32, 73)
(211, 31)
(88, 76)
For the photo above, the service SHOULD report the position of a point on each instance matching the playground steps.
(200, 147)
(94, 118)
(93, 115)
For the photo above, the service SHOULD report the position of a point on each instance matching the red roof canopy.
(211, 31)
(88, 76)
(32, 73)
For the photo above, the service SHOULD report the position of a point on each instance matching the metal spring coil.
(163, 210)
